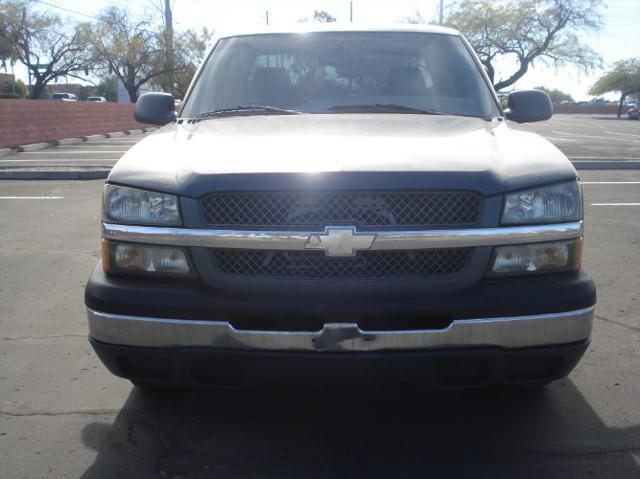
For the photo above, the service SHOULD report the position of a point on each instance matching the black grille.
(314, 264)
(364, 209)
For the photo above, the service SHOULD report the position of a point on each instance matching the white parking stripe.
(602, 158)
(615, 204)
(561, 139)
(67, 152)
(41, 160)
(610, 182)
(618, 133)
(31, 197)
(596, 137)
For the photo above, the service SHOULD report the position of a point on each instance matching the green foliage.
(323, 17)
(36, 38)
(107, 88)
(557, 96)
(527, 31)
(415, 19)
(16, 90)
(319, 16)
(624, 78)
(125, 46)
(189, 49)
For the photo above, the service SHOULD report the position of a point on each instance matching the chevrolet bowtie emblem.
(340, 241)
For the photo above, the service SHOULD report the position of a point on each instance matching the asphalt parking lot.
(63, 415)
(589, 139)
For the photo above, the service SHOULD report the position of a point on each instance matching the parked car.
(97, 99)
(341, 206)
(633, 111)
(64, 97)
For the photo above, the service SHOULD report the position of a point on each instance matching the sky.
(620, 38)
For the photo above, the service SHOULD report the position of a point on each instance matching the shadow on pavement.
(361, 433)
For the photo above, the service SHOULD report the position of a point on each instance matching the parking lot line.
(601, 158)
(610, 182)
(31, 197)
(561, 139)
(595, 137)
(618, 133)
(615, 204)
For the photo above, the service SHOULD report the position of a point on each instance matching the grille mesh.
(314, 264)
(364, 209)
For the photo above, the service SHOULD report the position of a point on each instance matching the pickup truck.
(347, 206)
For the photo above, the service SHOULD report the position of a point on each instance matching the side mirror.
(155, 108)
(527, 106)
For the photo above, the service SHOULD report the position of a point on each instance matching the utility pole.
(24, 21)
(267, 16)
(441, 12)
(168, 33)
(351, 11)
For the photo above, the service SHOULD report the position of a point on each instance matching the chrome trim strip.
(385, 240)
(504, 332)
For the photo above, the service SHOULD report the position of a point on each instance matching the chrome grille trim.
(384, 241)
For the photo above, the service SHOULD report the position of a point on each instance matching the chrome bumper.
(507, 332)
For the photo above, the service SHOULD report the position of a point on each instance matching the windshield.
(331, 71)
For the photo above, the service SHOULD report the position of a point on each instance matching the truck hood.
(340, 151)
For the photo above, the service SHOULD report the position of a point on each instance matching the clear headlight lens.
(547, 204)
(133, 206)
(127, 257)
(539, 257)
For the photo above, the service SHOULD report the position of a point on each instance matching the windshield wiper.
(384, 108)
(248, 110)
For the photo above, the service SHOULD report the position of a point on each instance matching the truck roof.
(339, 27)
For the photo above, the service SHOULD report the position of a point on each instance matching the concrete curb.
(94, 137)
(116, 134)
(35, 146)
(69, 141)
(6, 151)
(54, 175)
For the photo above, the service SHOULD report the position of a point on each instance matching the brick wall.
(587, 109)
(33, 121)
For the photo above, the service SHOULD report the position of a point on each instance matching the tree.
(323, 17)
(42, 42)
(557, 96)
(528, 31)
(415, 19)
(189, 49)
(623, 78)
(107, 88)
(319, 16)
(14, 90)
(127, 47)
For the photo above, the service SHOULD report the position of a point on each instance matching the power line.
(63, 8)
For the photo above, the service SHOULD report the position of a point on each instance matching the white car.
(64, 97)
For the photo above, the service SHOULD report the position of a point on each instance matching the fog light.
(539, 257)
(126, 257)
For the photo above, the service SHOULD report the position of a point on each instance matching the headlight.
(538, 258)
(132, 206)
(547, 204)
(138, 258)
